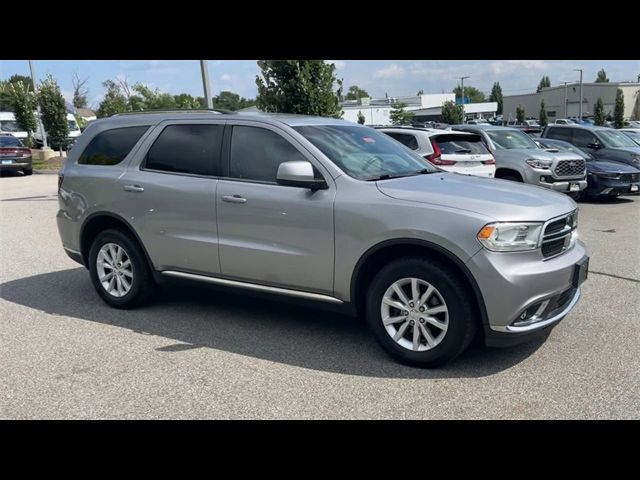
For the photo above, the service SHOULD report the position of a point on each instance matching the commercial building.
(564, 102)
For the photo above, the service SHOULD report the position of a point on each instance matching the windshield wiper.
(388, 176)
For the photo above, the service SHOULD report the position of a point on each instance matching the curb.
(46, 172)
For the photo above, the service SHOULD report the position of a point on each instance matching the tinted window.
(364, 153)
(8, 141)
(510, 139)
(460, 144)
(582, 138)
(256, 153)
(193, 149)
(111, 146)
(614, 139)
(559, 134)
(405, 139)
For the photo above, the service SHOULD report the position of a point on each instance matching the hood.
(610, 166)
(635, 150)
(499, 199)
(540, 153)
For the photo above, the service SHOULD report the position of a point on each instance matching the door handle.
(133, 188)
(233, 199)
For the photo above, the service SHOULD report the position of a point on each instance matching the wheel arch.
(502, 171)
(378, 255)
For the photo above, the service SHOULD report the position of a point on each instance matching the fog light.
(531, 315)
(543, 179)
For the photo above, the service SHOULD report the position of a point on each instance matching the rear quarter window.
(559, 134)
(111, 146)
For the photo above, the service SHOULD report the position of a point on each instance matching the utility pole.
(580, 70)
(565, 99)
(35, 90)
(205, 83)
(464, 117)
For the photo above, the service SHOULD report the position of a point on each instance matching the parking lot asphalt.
(197, 353)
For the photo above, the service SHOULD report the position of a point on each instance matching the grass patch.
(54, 163)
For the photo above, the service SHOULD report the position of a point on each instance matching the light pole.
(565, 99)
(580, 110)
(205, 83)
(464, 117)
(35, 90)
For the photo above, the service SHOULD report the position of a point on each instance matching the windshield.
(364, 153)
(614, 139)
(635, 136)
(9, 141)
(73, 126)
(9, 126)
(509, 139)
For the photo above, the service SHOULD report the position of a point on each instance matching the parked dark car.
(14, 155)
(605, 178)
(603, 143)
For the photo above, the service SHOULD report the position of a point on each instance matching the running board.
(252, 286)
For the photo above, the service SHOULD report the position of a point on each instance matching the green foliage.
(5, 97)
(544, 83)
(602, 77)
(399, 116)
(598, 112)
(452, 113)
(473, 94)
(186, 101)
(54, 111)
(298, 86)
(232, 101)
(24, 103)
(356, 93)
(618, 111)
(114, 101)
(520, 114)
(147, 99)
(496, 96)
(544, 120)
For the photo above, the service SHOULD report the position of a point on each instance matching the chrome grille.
(570, 168)
(556, 238)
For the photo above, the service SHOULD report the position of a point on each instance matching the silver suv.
(520, 159)
(324, 210)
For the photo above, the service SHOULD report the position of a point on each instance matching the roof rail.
(174, 110)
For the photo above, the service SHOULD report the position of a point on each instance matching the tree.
(602, 77)
(452, 113)
(80, 91)
(5, 96)
(520, 114)
(24, 103)
(114, 100)
(361, 118)
(473, 94)
(496, 96)
(399, 116)
(299, 86)
(186, 101)
(618, 111)
(356, 93)
(54, 112)
(232, 101)
(544, 83)
(544, 120)
(598, 112)
(147, 99)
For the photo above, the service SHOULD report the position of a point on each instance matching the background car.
(451, 151)
(604, 177)
(8, 124)
(604, 143)
(14, 155)
(634, 133)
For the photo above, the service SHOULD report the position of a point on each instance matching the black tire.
(28, 171)
(462, 317)
(576, 195)
(142, 285)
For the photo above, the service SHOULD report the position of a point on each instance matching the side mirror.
(594, 146)
(299, 174)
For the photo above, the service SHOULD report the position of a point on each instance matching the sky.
(394, 77)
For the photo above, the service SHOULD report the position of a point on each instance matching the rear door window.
(111, 146)
(460, 144)
(560, 134)
(582, 138)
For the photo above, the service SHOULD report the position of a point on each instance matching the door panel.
(279, 236)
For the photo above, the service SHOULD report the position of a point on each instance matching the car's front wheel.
(119, 270)
(420, 311)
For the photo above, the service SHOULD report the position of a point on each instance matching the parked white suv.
(451, 151)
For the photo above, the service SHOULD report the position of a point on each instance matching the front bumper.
(599, 186)
(514, 282)
(563, 185)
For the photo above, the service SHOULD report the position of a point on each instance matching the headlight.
(607, 174)
(510, 237)
(535, 163)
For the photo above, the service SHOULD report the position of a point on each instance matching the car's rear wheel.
(119, 270)
(28, 171)
(420, 312)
